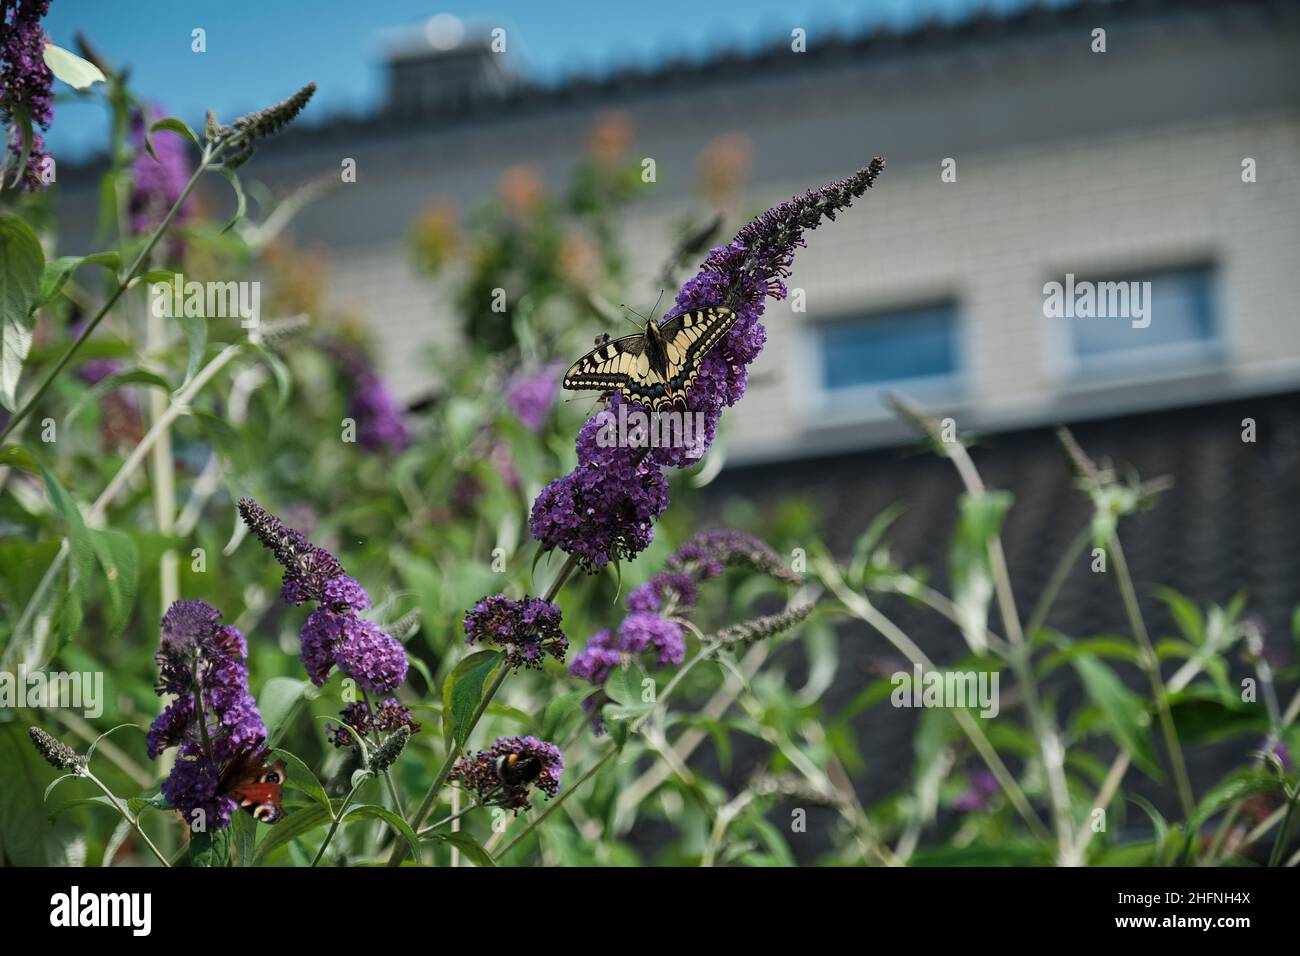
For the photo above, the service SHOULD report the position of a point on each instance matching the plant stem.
(440, 779)
(448, 819)
(555, 804)
(1280, 843)
(1150, 664)
(209, 153)
(1060, 573)
(1119, 766)
(860, 607)
(126, 815)
(338, 819)
(1050, 750)
(179, 405)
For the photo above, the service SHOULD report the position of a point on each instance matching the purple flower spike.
(26, 84)
(204, 664)
(605, 509)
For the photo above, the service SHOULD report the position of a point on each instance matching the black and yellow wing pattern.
(658, 366)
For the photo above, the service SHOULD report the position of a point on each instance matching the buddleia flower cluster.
(389, 716)
(247, 130)
(605, 509)
(213, 718)
(503, 776)
(372, 404)
(334, 635)
(26, 87)
(54, 751)
(532, 395)
(159, 174)
(527, 630)
(651, 630)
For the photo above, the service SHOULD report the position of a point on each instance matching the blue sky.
(261, 50)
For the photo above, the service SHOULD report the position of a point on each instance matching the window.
(917, 346)
(1169, 317)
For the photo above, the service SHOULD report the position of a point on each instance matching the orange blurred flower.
(724, 167)
(578, 261)
(611, 135)
(521, 190)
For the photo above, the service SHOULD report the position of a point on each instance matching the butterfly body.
(256, 787)
(658, 366)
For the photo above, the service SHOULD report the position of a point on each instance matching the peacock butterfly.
(255, 786)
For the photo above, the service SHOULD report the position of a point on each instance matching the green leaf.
(120, 562)
(231, 448)
(1112, 646)
(241, 203)
(400, 826)
(77, 72)
(58, 271)
(134, 376)
(298, 776)
(560, 711)
(467, 845)
(26, 832)
(462, 692)
(195, 328)
(16, 456)
(21, 264)
(23, 120)
(294, 825)
(1236, 786)
(279, 698)
(1157, 819)
(244, 838)
(981, 518)
(283, 389)
(210, 848)
(1126, 716)
(869, 539)
(174, 125)
(1186, 615)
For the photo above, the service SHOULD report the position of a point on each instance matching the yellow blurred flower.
(434, 235)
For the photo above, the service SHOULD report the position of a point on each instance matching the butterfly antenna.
(657, 301)
(634, 312)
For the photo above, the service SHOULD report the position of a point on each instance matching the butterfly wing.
(608, 366)
(687, 339)
(254, 786)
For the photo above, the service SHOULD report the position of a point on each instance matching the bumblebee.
(515, 770)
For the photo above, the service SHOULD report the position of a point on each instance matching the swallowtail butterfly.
(656, 367)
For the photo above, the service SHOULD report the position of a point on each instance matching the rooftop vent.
(438, 68)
